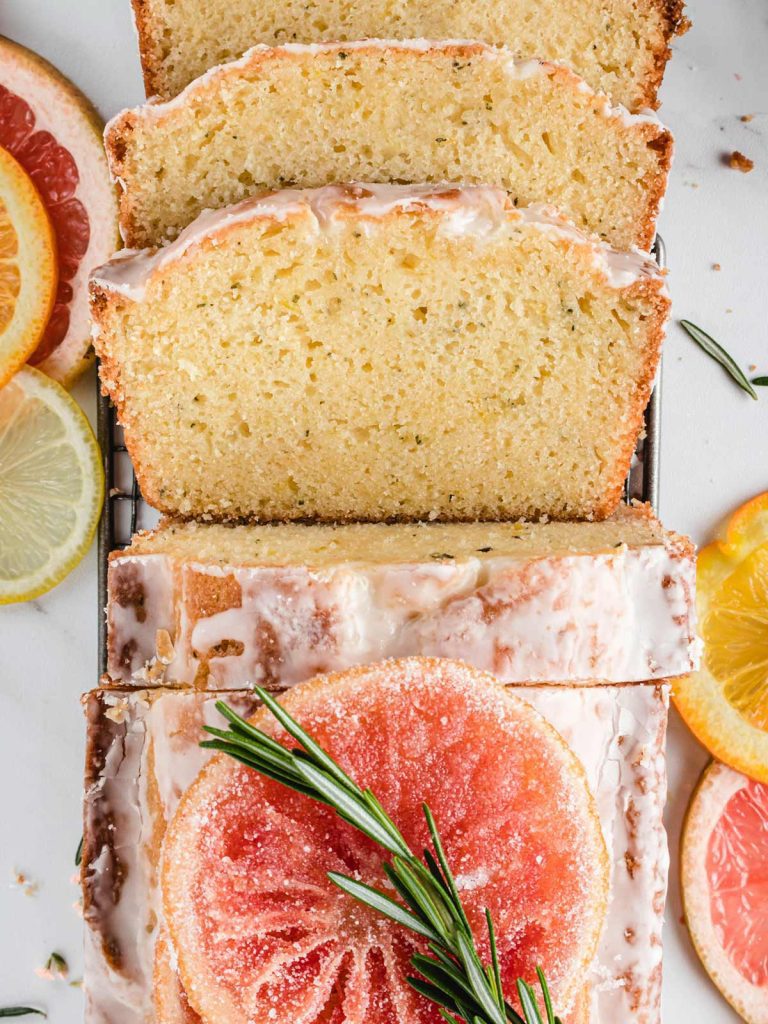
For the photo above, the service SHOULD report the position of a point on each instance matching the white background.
(714, 456)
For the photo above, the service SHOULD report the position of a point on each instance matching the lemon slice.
(51, 485)
(725, 703)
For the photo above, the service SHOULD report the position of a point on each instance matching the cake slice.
(385, 111)
(618, 46)
(143, 755)
(374, 352)
(228, 607)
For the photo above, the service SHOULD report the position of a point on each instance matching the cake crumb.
(164, 647)
(716, 266)
(746, 118)
(117, 713)
(738, 162)
(25, 883)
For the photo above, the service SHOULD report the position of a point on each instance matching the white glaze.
(622, 616)
(475, 211)
(617, 732)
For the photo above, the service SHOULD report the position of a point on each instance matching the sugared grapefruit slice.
(725, 703)
(725, 885)
(27, 266)
(262, 935)
(55, 134)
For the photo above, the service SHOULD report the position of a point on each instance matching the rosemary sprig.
(718, 353)
(452, 975)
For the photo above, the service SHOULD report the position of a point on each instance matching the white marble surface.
(714, 455)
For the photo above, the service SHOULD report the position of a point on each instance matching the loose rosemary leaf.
(716, 351)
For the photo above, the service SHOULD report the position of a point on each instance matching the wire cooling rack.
(125, 511)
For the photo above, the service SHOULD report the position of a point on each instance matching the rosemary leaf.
(436, 842)
(528, 1002)
(79, 852)
(478, 980)
(349, 808)
(718, 353)
(20, 1011)
(761, 382)
(382, 903)
(495, 968)
(294, 729)
(433, 993)
(448, 978)
(447, 1017)
(546, 995)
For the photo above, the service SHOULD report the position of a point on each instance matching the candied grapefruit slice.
(261, 934)
(170, 999)
(725, 885)
(725, 703)
(55, 134)
(27, 266)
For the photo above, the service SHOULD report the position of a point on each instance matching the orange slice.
(262, 935)
(726, 703)
(28, 271)
(725, 886)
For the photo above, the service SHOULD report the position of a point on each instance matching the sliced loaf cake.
(380, 352)
(227, 607)
(389, 111)
(619, 46)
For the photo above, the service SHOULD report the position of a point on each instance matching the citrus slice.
(55, 134)
(261, 934)
(171, 1004)
(51, 485)
(725, 885)
(27, 267)
(725, 703)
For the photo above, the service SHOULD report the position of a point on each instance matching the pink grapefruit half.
(54, 132)
(725, 885)
(259, 932)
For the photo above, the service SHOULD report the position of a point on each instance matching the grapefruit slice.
(171, 1003)
(725, 703)
(261, 934)
(27, 267)
(725, 886)
(55, 134)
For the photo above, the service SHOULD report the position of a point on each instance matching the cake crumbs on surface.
(25, 883)
(738, 162)
(746, 118)
(716, 266)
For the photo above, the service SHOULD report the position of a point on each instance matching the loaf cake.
(143, 755)
(228, 607)
(619, 46)
(385, 111)
(380, 352)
